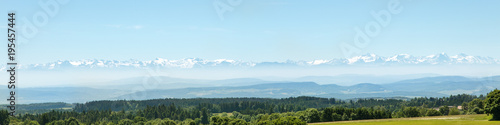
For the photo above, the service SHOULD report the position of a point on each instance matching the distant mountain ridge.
(421, 87)
(367, 59)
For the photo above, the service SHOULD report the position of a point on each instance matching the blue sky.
(256, 30)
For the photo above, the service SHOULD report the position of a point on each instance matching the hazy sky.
(255, 30)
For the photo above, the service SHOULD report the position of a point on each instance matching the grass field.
(437, 120)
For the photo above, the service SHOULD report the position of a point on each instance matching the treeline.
(476, 106)
(175, 115)
(453, 100)
(251, 108)
(426, 102)
(153, 114)
(38, 108)
(270, 105)
(264, 111)
(118, 105)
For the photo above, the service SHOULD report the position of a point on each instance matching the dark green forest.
(243, 111)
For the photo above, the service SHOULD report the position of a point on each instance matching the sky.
(256, 30)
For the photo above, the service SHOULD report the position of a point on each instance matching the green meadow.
(437, 120)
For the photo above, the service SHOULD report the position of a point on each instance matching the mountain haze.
(422, 87)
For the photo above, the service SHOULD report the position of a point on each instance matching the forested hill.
(292, 104)
(250, 110)
(118, 105)
(295, 102)
(421, 87)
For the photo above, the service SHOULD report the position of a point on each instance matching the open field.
(437, 120)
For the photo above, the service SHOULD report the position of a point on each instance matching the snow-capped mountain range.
(367, 59)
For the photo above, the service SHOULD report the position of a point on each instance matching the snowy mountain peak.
(366, 59)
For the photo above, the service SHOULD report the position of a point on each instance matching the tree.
(465, 106)
(72, 121)
(492, 104)
(58, 122)
(411, 112)
(29, 122)
(264, 122)
(204, 116)
(238, 122)
(336, 117)
(345, 117)
(140, 119)
(313, 115)
(444, 110)
(188, 122)
(217, 120)
(289, 120)
(432, 112)
(125, 122)
(476, 106)
(454, 111)
(4, 117)
(45, 119)
(326, 115)
(168, 122)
